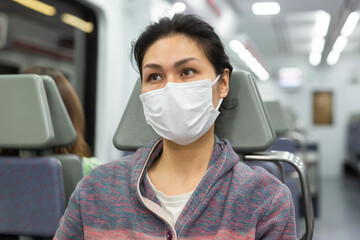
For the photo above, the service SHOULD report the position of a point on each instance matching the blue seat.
(31, 196)
(285, 144)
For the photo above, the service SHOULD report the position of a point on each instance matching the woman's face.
(178, 58)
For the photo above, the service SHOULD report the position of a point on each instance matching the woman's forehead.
(173, 48)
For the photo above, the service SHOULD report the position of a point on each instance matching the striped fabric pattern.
(232, 201)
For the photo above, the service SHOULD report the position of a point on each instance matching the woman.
(189, 183)
(76, 113)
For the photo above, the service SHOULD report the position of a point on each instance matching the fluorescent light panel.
(266, 8)
(322, 24)
(236, 46)
(250, 61)
(350, 24)
(315, 58)
(318, 44)
(333, 57)
(77, 22)
(342, 40)
(340, 44)
(320, 31)
(38, 6)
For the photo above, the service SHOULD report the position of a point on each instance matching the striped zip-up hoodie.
(232, 201)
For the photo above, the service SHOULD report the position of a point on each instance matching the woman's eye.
(188, 72)
(154, 77)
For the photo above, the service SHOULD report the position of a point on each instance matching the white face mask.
(181, 112)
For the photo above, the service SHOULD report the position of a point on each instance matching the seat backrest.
(72, 172)
(353, 138)
(31, 196)
(284, 144)
(243, 104)
(288, 145)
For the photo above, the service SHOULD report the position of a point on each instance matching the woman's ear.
(224, 83)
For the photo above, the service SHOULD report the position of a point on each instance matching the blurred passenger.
(76, 113)
(189, 184)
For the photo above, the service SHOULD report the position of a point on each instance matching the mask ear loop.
(216, 79)
(221, 99)
(219, 104)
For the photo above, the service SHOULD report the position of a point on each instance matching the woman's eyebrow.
(152, 65)
(177, 64)
(183, 61)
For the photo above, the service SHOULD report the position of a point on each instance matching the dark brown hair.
(188, 25)
(73, 107)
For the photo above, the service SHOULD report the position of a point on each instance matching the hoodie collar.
(222, 160)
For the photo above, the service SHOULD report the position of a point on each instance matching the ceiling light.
(340, 44)
(350, 24)
(315, 58)
(38, 6)
(179, 7)
(264, 76)
(251, 61)
(246, 56)
(322, 24)
(318, 44)
(236, 46)
(333, 57)
(77, 22)
(266, 8)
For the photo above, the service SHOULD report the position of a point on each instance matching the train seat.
(243, 121)
(352, 158)
(34, 120)
(32, 194)
(294, 141)
(64, 135)
(285, 143)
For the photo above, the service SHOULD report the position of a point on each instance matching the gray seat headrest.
(64, 130)
(277, 116)
(33, 115)
(243, 119)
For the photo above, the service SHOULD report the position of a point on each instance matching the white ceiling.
(291, 31)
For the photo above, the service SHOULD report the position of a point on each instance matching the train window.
(61, 34)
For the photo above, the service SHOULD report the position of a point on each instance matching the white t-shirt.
(171, 205)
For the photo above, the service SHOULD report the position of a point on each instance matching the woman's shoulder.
(107, 176)
(257, 179)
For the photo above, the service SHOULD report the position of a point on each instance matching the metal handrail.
(281, 156)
